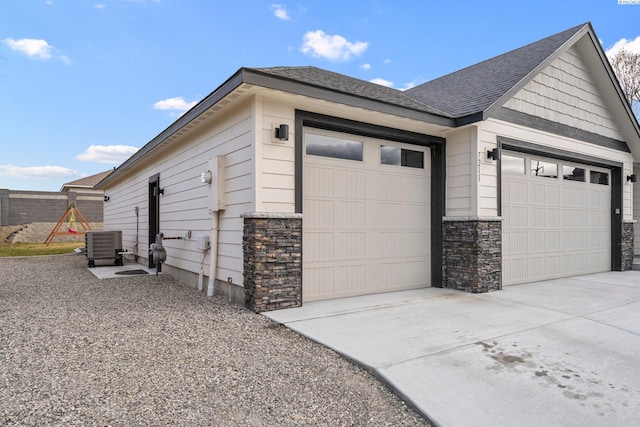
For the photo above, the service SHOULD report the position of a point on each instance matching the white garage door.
(366, 216)
(557, 219)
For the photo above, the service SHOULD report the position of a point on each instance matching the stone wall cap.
(472, 218)
(271, 215)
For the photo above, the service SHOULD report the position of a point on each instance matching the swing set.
(68, 220)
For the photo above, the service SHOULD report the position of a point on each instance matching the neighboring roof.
(87, 182)
(474, 89)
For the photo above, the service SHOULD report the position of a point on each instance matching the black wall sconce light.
(282, 132)
(106, 198)
(158, 191)
(494, 154)
(633, 177)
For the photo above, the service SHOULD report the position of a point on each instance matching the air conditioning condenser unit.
(103, 245)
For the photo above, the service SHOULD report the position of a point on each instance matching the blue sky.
(85, 83)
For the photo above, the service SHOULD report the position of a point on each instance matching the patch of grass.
(31, 249)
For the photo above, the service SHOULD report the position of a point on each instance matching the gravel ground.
(75, 350)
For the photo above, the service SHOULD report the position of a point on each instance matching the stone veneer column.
(272, 247)
(472, 253)
(627, 245)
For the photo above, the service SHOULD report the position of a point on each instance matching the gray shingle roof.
(340, 83)
(474, 89)
(88, 181)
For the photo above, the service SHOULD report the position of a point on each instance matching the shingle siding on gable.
(564, 92)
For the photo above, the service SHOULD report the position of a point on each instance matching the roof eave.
(296, 87)
(254, 77)
(223, 90)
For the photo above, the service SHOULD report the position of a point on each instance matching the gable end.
(564, 92)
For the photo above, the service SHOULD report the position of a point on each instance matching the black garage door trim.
(438, 168)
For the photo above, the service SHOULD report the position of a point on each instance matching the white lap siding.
(184, 206)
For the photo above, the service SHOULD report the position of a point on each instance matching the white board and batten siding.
(184, 206)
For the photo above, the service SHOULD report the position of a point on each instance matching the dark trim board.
(154, 213)
(539, 123)
(438, 168)
(555, 153)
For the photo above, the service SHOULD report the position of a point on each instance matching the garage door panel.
(383, 215)
(415, 244)
(349, 184)
(567, 231)
(552, 195)
(413, 189)
(349, 214)
(387, 187)
(324, 216)
(350, 279)
(413, 215)
(321, 279)
(515, 242)
(319, 182)
(536, 217)
(552, 218)
(384, 275)
(536, 193)
(319, 245)
(386, 244)
(349, 245)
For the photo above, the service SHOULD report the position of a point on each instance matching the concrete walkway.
(564, 352)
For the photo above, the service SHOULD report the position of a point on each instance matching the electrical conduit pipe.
(213, 264)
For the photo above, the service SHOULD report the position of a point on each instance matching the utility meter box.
(202, 242)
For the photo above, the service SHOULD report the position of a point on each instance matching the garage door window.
(397, 156)
(599, 178)
(544, 169)
(571, 173)
(329, 146)
(512, 164)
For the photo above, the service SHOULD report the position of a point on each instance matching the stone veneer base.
(272, 248)
(472, 254)
(627, 245)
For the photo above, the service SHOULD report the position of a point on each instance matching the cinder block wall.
(26, 207)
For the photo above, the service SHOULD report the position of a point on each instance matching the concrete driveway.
(560, 352)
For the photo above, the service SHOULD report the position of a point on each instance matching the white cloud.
(280, 12)
(100, 5)
(629, 45)
(366, 66)
(33, 48)
(382, 82)
(177, 104)
(332, 47)
(112, 154)
(412, 84)
(36, 49)
(37, 171)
